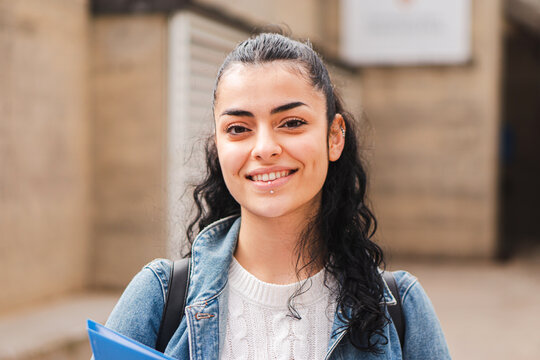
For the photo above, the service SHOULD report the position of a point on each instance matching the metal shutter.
(197, 47)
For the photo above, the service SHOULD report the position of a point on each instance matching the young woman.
(283, 266)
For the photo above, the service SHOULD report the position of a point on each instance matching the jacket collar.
(211, 255)
(339, 326)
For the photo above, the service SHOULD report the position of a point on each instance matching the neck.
(267, 248)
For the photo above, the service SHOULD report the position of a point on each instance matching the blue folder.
(107, 344)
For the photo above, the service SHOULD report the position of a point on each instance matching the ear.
(336, 138)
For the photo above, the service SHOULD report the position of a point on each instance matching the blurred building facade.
(102, 103)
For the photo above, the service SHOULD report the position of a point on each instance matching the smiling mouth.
(271, 175)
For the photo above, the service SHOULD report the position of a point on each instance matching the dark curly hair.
(339, 236)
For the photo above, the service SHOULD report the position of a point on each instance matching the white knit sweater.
(259, 325)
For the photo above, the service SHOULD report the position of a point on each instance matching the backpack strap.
(175, 302)
(395, 311)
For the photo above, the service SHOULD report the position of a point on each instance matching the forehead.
(291, 66)
(251, 84)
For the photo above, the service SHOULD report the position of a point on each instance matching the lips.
(269, 180)
(270, 175)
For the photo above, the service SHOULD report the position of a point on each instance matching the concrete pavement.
(488, 310)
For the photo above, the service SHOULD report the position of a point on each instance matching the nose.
(266, 146)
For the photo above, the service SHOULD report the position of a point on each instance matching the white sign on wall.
(405, 31)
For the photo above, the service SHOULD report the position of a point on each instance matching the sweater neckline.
(276, 295)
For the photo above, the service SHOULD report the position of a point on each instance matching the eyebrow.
(287, 107)
(281, 108)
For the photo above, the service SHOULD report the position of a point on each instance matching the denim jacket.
(202, 330)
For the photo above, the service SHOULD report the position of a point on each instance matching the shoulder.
(424, 337)
(138, 312)
(161, 269)
(412, 294)
(407, 285)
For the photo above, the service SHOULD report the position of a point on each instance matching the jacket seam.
(203, 302)
(160, 282)
(330, 351)
(213, 228)
(406, 292)
(191, 334)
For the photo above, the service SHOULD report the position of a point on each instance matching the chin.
(267, 208)
(276, 208)
(267, 212)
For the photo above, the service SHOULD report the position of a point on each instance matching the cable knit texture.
(259, 325)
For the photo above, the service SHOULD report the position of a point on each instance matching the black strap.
(395, 311)
(175, 302)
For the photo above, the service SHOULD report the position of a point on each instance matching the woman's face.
(271, 136)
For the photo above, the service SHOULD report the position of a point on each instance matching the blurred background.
(104, 105)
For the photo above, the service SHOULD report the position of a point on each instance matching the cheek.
(231, 159)
(311, 150)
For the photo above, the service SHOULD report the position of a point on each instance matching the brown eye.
(293, 123)
(236, 129)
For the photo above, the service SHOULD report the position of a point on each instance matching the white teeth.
(270, 176)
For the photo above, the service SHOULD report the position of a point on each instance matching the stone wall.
(435, 168)
(44, 150)
(317, 20)
(129, 69)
